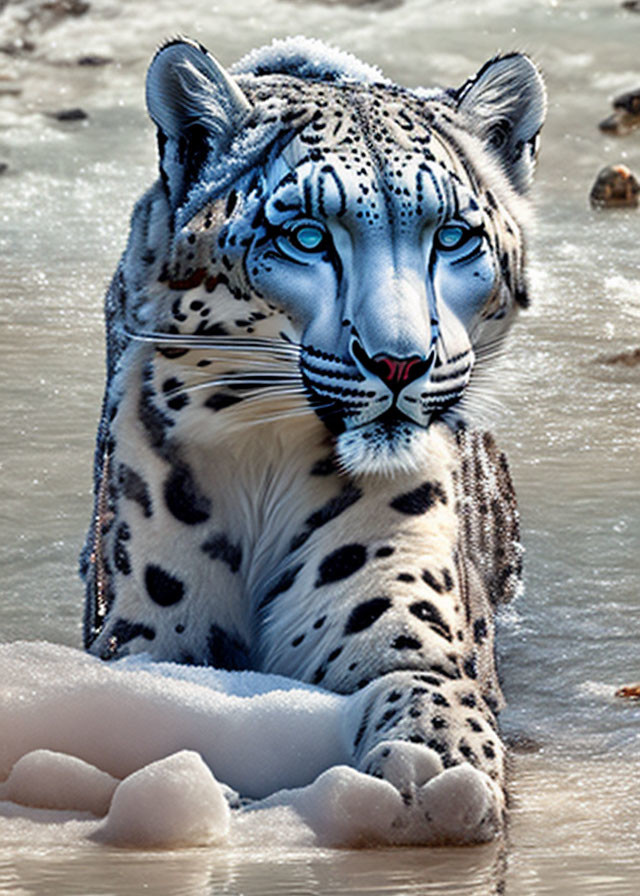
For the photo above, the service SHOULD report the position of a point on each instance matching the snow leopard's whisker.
(269, 382)
(266, 393)
(266, 364)
(221, 343)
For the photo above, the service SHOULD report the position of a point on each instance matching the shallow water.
(568, 421)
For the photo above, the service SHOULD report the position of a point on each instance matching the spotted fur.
(284, 478)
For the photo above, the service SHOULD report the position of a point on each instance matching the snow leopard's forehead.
(366, 138)
(378, 118)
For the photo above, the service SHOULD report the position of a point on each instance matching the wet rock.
(519, 742)
(50, 12)
(93, 60)
(630, 691)
(75, 114)
(615, 187)
(21, 32)
(19, 46)
(381, 5)
(9, 89)
(625, 116)
(627, 359)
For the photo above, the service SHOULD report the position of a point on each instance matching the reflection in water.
(477, 871)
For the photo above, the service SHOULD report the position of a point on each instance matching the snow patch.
(47, 780)
(172, 802)
(192, 743)
(258, 733)
(308, 57)
(347, 808)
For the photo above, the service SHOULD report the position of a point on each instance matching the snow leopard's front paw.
(456, 805)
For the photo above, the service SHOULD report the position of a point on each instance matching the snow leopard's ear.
(198, 109)
(505, 105)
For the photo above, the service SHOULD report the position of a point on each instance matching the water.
(568, 421)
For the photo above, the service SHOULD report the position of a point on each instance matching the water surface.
(568, 421)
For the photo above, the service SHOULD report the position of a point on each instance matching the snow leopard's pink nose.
(395, 372)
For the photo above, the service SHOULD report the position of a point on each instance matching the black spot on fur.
(468, 700)
(218, 547)
(135, 488)
(283, 584)
(491, 702)
(324, 467)
(171, 384)
(363, 727)
(221, 400)
(163, 588)
(121, 559)
(224, 651)
(447, 673)
(427, 612)
(467, 752)
(329, 511)
(479, 630)
(232, 198)
(178, 402)
(121, 633)
(297, 641)
(406, 577)
(440, 700)
(341, 563)
(428, 679)
(152, 418)
(387, 717)
(470, 667)
(439, 722)
(319, 674)
(365, 614)
(429, 579)
(406, 642)
(385, 551)
(333, 508)
(182, 498)
(420, 500)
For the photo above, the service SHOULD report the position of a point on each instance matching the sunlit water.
(568, 421)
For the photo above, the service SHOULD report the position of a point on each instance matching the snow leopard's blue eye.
(303, 237)
(308, 238)
(453, 236)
